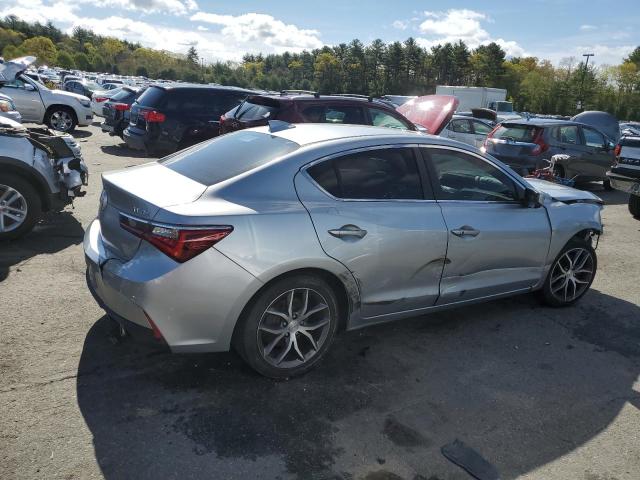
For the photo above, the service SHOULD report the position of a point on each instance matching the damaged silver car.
(40, 170)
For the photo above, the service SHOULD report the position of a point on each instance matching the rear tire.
(282, 335)
(20, 207)
(606, 183)
(571, 274)
(634, 205)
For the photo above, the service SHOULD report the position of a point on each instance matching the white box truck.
(480, 97)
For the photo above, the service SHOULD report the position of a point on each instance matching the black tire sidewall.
(634, 205)
(69, 110)
(34, 205)
(245, 338)
(547, 296)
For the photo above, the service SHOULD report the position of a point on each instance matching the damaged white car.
(40, 170)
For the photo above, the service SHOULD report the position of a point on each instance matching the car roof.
(307, 97)
(541, 122)
(176, 86)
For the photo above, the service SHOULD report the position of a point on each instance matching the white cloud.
(202, 29)
(257, 27)
(461, 24)
(586, 28)
(37, 11)
(172, 7)
(400, 24)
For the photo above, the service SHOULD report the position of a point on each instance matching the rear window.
(228, 156)
(123, 95)
(249, 111)
(517, 133)
(153, 97)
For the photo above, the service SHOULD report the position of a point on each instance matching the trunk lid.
(13, 68)
(513, 140)
(430, 111)
(603, 121)
(140, 192)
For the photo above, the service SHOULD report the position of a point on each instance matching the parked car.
(295, 106)
(398, 100)
(40, 170)
(272, 239)
(99, 97)
(170, 117)
(117, 108)
(36, 103)
(8, 109)
(467, 130)
(81, 87)
(524, 145)
(110, 86)
(625, 173)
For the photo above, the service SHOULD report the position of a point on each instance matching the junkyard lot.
(541, 393)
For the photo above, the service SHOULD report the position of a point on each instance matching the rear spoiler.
(267, 101)
(484, 113)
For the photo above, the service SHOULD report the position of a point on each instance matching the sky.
(547, 29)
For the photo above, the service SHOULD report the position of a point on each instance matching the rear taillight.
(151, 116)
(121, 107)
(617, 150)
(541, 145)
(179, 243)
(100, 99)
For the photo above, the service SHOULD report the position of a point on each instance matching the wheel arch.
(55, 106)
(14, 167)
(345, 300)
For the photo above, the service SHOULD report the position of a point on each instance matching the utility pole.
(584, 73)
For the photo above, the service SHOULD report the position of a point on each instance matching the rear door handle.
(348, 231)
(465, 232)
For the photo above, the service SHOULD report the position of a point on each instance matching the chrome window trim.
(304, 171)
(517, 180)
(170, 225)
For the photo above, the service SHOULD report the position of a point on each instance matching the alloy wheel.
(61, 120)
(572, 274)
(294, 327)
(13, 209)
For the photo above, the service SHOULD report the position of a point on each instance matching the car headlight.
(85, 102)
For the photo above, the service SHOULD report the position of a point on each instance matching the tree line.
(401, 68)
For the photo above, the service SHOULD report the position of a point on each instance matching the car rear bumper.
(624, 183)
(194, 305)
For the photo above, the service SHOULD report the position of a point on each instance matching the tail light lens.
(121, 107)
(152, 116)
(617, 150)
(179, 243)
(100, 99)
(541, 145)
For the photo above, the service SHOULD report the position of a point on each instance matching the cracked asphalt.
(539, 393)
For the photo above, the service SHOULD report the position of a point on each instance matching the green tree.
(65, 60)
(327, 73)
(192, 55)
(82, 61)
(42, 48)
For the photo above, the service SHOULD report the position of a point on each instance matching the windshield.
(228, 156)
(505, 107)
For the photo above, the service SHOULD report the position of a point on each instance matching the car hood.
(11, 69)
(67, 94)
(603, 121)
(430, 111)
(562, 193)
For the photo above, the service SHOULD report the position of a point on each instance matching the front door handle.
(465, 232)
(348, 231)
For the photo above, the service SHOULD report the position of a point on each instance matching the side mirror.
(531, 199)
(608, 146)
(28, 87)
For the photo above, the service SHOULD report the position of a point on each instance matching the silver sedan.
(272, 240)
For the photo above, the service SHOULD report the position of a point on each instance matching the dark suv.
(167, 118)
(525, 144)
(310, 107)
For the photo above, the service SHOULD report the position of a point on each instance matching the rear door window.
(568, 135)
(481, 128)
(461, 126)
(344, 114)
(381, 118)
(250, 112)
(228, 156)
(379, 174)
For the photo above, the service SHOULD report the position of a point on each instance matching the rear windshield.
(123, 94)
(517, 133)
(228, 156)
(153, 97)
(249, 111)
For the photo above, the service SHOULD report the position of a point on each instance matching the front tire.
(634, 205)
(606, 183)
(20, 207)
(289, 327)
(62, 119)
(571, 274)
